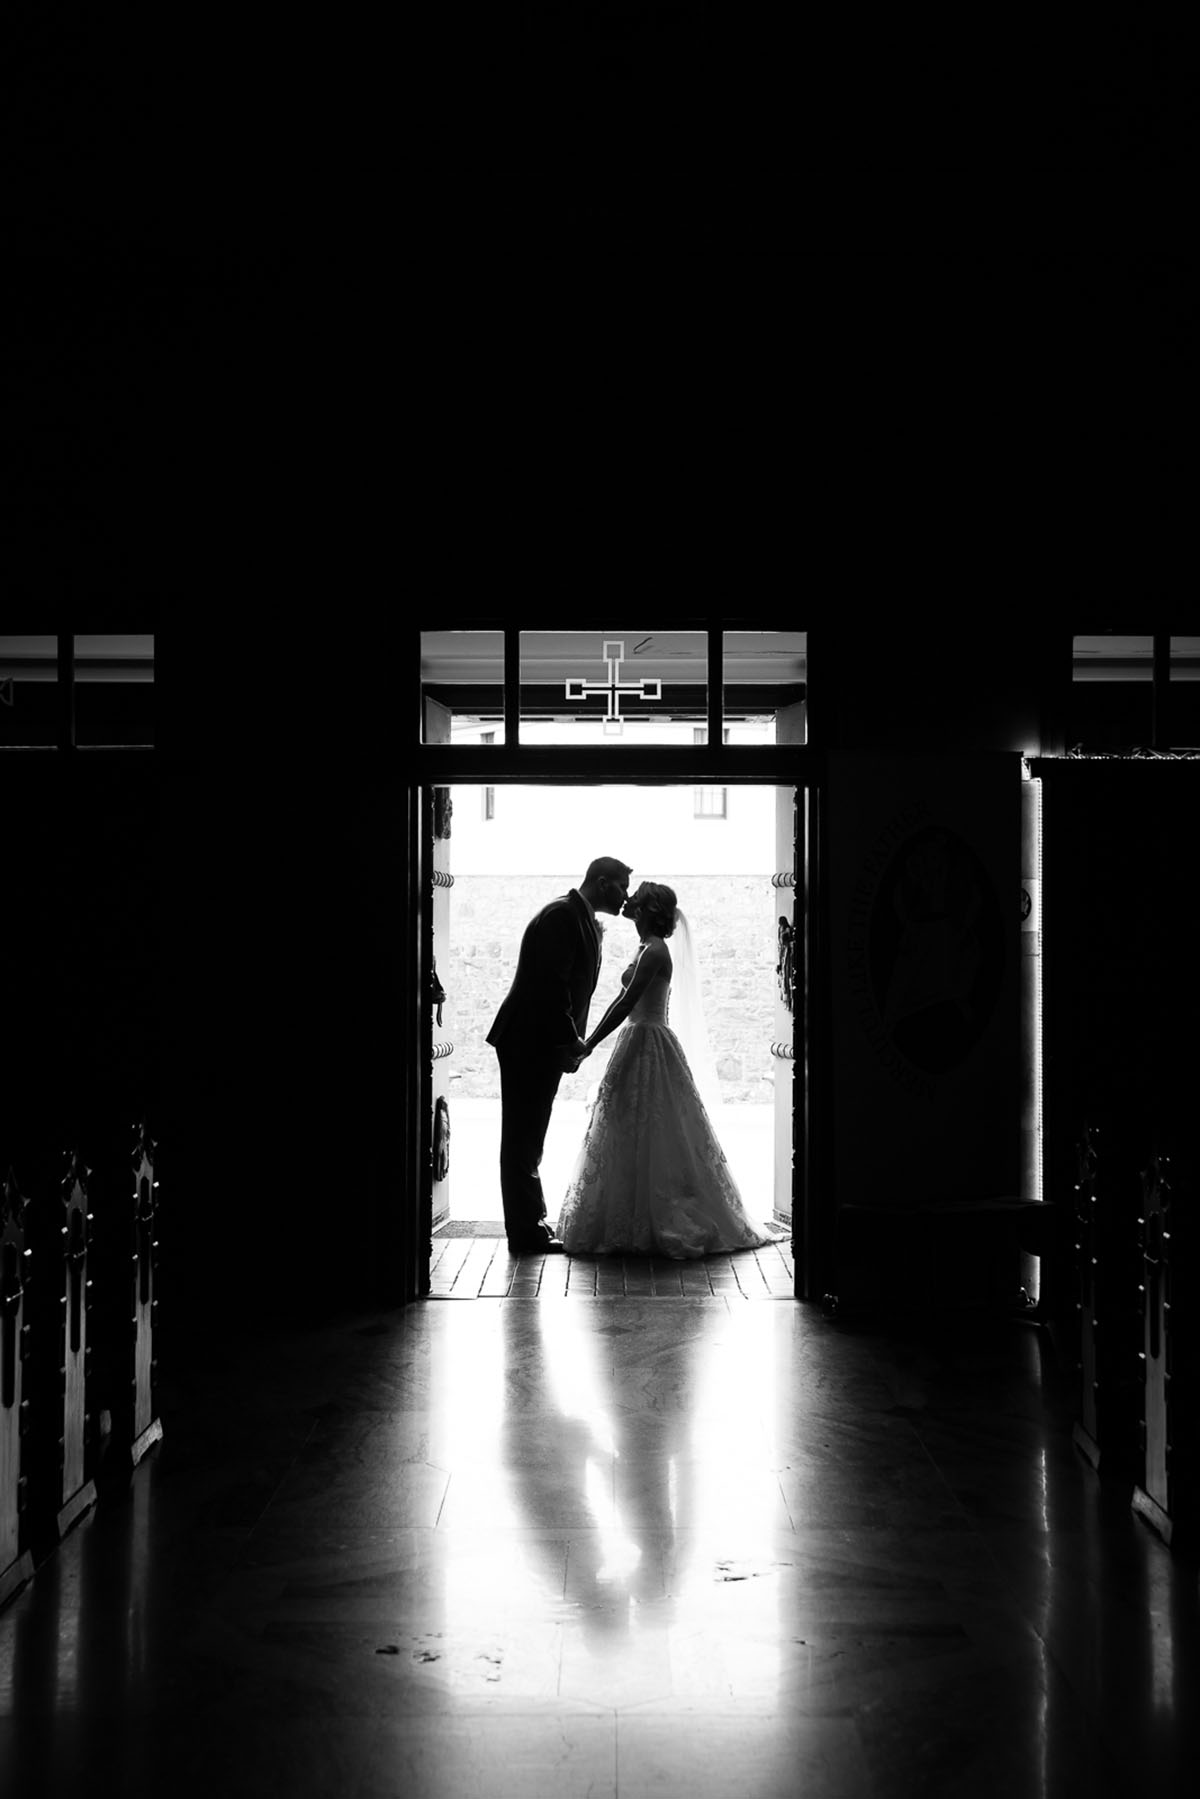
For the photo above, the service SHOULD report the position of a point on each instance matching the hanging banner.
(924, 860)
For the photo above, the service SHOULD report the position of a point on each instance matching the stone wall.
(733, 921)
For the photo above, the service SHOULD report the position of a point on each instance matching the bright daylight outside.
(514, 848)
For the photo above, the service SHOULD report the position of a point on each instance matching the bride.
(651, 1177)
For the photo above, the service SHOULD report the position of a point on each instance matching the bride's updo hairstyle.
(658, 904)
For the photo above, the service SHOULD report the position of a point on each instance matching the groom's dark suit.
(545, 1011)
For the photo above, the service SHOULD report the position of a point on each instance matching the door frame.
(811, 1235)
(713, 763)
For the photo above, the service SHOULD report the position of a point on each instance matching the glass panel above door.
(765, 677)
(463, 673)
(624, 687)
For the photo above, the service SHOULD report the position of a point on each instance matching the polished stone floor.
(608, 1546)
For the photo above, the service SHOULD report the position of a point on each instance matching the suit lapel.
(590, 928)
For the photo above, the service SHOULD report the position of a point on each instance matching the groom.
(538, 1037)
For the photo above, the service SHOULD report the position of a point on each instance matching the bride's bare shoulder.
(658, 955)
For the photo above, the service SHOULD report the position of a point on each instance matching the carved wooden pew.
(16, 1561)
(1106, 1300)
(61, 1433)
(127, 1270)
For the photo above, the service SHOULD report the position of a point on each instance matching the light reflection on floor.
(609, 1546)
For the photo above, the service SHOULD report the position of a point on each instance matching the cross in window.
(614, 654)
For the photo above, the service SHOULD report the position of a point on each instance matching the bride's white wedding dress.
(651, 1177)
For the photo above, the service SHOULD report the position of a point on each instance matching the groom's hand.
(573, 1054)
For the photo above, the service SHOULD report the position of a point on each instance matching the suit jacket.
(546, 1007)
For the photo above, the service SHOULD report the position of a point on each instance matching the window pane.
(710, 802)
(620, 686)
(765, 676)
(1183, 706)
(114, 692)
(1113, 705)
(1109, 657)
(28, 692)
(462, 684)
(113, 696)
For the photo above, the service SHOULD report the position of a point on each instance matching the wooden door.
(789, 728)
(437, 730)
(783, 1035)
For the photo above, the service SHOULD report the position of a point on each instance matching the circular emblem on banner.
(936, 949)
(1026, 904)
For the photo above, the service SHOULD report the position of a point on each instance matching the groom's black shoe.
(537, 1243)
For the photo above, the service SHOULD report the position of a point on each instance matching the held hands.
(573, 1056)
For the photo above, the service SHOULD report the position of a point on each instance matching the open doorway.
(701, 733)
(513, 848)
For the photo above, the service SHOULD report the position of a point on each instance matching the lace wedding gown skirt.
(651, 1177)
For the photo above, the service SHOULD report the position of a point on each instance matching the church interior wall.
(265, 1014)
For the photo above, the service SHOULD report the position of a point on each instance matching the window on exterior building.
(489, 793)
(709, 802)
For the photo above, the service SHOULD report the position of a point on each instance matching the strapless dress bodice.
(651, 1008)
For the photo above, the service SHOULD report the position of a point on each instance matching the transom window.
(619, 687)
